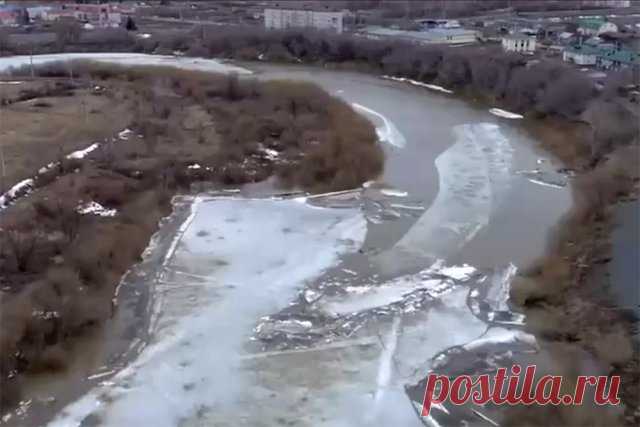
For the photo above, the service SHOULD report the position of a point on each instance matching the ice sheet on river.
(130, 59)
(474, 176)
(238, 259)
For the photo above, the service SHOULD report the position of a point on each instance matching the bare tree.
(67, 31)
(568, 95)
(5, 41)
(232, 89)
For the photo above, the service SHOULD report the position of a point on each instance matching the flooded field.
(255, 307)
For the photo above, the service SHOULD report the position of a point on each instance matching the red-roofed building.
(99, 15)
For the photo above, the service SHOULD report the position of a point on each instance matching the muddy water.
(625, 271)
(327, 310)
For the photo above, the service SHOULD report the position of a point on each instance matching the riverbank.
(567, 297)
(89, 216)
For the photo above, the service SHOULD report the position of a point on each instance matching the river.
(256, 308)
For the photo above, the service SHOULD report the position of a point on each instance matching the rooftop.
(431, 35)
(518, 37)
(620, 55)
(612, 54)
(584, 49)
(592, 23)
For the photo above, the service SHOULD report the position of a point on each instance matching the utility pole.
(2, 164)
(33, 73)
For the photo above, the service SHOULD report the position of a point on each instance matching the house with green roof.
(606, 58)
(616, 59)
(581, 54)
(596, 26)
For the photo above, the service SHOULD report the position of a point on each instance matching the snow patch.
(271, 154)
(95, 208)
(124, 135)
(20, 189)
(81, 154)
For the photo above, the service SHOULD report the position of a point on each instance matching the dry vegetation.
(565, 297)
(35, 117)
(59, 267)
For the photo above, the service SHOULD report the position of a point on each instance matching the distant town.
(593, 34)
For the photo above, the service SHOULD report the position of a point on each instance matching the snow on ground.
(418, 83)
(238, 259)
(24, 187)
(95, 208)
(505, 114)
(388, 132)
(126, 59)
(124, 134)
(271, 154)
(81, 154)
(20, 189)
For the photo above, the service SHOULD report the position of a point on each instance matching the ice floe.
(388, 132)
(505, 114)
(545, 178)
(393, 193)
(418, 83)
(495, 336)
(474, 178)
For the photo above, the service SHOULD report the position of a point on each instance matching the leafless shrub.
(22, 246)
(455, 70)
(568, 95)
(613, 126)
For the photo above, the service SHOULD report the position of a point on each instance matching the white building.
(38, 12)
(607, 4)
(280, 19)
(432, 36)
(519, 43)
